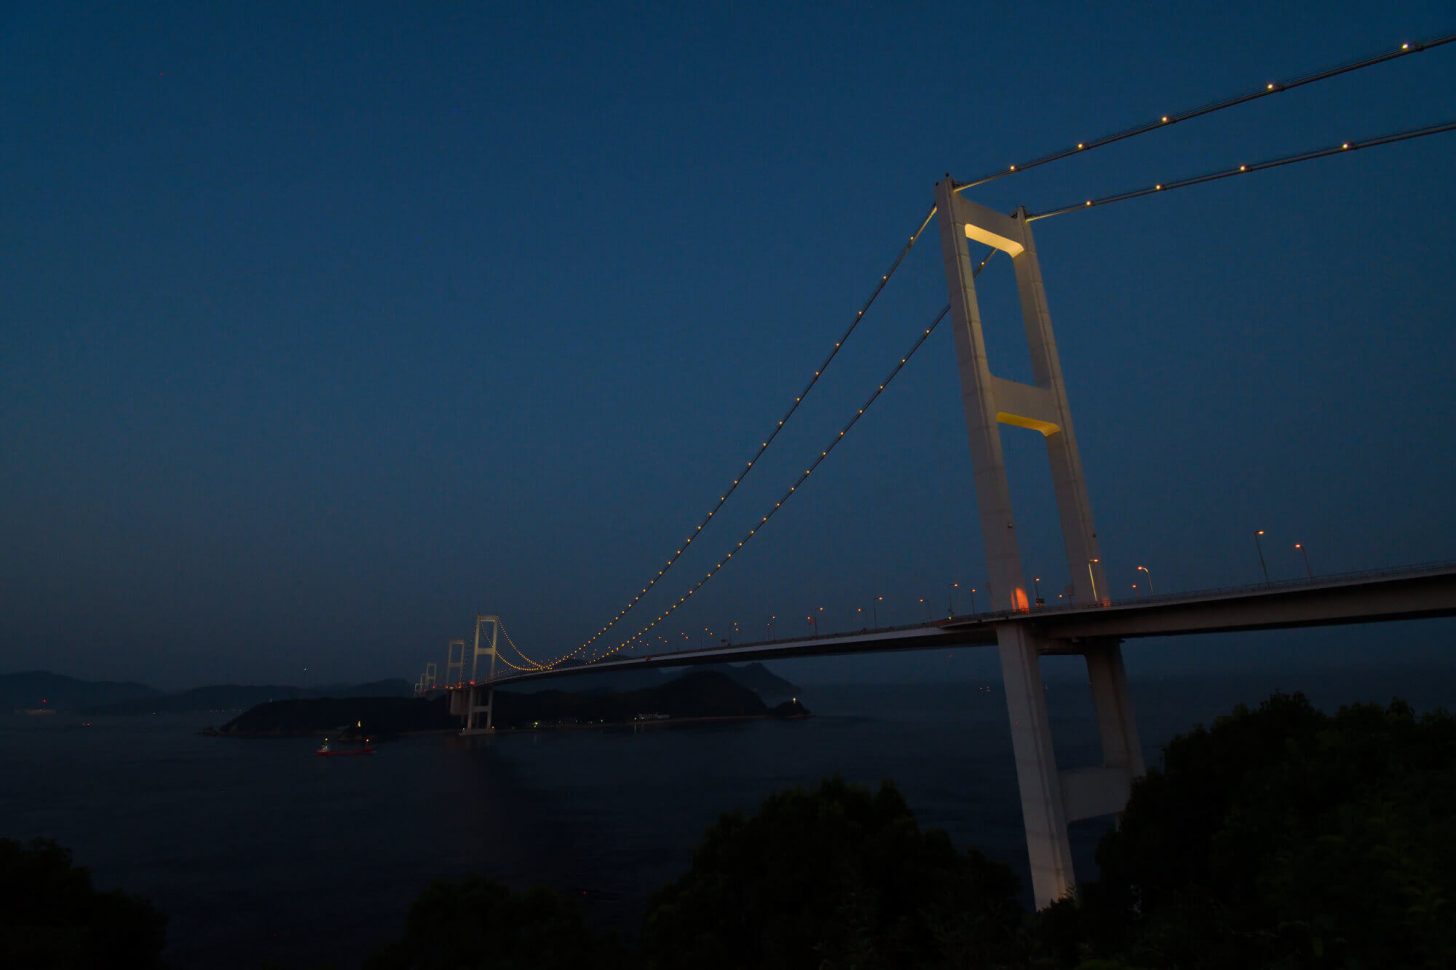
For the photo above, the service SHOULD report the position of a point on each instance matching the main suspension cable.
(762, 447)
(521, 653)
(763, 520)
(1247, 169)
(802, 478)
(1162, 121)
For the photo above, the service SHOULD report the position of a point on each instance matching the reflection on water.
(254, 847)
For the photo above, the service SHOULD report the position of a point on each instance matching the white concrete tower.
(1049, 798)
(473, 707)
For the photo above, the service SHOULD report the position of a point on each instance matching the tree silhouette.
(1283, 837)
(51, 918)
(829, 878)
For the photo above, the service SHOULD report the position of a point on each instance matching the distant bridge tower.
(1049, 798)
(428, 680)
(473, 709)
(455, 662)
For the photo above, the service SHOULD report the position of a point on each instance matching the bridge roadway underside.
(1397, 595)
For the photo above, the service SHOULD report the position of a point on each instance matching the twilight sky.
(324, 327)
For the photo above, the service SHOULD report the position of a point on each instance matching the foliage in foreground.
(51, 917)
(1281, 837)
(455, 925)
(835, 877)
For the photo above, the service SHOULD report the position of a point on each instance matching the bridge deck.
(1398, 594)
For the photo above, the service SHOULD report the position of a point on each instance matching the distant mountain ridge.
(755, 676)
(37, 688)
(41, 688)
(233, 697)
(32, 688)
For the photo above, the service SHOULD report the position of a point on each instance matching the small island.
(693, 697)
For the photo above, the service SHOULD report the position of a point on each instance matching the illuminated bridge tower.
(466, 703)
(1049, 798)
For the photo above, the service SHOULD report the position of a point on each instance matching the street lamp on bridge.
(1149, 574)
(1305, 553)
(875, 610)
(1036, 590)
(973, 600)
(950, 600)
(1263, 566)
(1092, 575)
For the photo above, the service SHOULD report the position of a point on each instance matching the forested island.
(699, 695)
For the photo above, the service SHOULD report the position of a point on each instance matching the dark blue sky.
(326, 327)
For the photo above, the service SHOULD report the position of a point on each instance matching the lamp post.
(812, 624)
(859, 616)
(1092, 575)
(1263, 566)
(1149, 573)
(950, 599)
(1036, 589)
(821, 618)
(1304, 552)
(875, 610)
(927, 609)
(973, 600)
(771, 618)
(1134, 589)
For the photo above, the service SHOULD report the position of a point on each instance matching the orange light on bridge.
(1019, 602)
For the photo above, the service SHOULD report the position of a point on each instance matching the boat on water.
(345, 749)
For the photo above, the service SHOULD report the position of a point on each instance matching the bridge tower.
(455, 661)
(1049, 798)
(473, 707)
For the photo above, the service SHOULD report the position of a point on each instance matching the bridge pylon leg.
(1121, 749)
(1048, 846)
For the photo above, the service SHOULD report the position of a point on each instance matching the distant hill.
(234, 697)
(755, 676)
(32, 687)
(320, 715)
(693, 695)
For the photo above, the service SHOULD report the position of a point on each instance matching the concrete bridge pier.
(474, 723)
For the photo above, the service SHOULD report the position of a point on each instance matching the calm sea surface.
(258, 850)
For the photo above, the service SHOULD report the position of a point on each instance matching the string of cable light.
(763, 520)
(1248, 168)
(792, 489)
(758, 453)
(1268, 89)
(521, 653)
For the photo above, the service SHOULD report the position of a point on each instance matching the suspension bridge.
(1089, 622)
